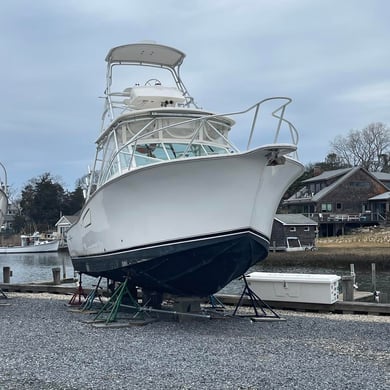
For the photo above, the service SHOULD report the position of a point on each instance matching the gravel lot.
(46, 346)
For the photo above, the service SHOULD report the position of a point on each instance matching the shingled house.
(293, 232)
(342, 198)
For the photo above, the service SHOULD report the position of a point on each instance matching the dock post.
(63, 268)
(373, 276)
(352, 267)
(56, 275)
(347, 286)
(7, 273)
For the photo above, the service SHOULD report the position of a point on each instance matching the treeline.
(368, 148)
(43, 200)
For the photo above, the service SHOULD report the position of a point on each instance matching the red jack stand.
(79, 295)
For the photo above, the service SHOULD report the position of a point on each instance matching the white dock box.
(289, 287)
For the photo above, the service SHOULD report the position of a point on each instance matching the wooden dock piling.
(373, 276)
(7, 273)
(347, 287)
(56, 275)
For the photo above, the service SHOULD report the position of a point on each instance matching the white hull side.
(183, 199)
(51, 246)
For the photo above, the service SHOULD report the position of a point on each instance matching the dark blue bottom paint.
(193, 267)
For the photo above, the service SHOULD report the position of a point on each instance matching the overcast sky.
(331, 57)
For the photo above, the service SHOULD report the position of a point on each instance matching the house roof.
(384, 196)
(67, 219)
(328, 175)
(294, 219)
(382, 176)
(326, 190)
(308, 197)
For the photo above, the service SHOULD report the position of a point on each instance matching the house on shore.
(293, 232)
(63, 224)
(343, 198)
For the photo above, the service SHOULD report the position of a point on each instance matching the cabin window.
(293, 229)
(359, 184)
(211, 149)
(142, 160)
(307, 229)
(338, 206)
(159, 152)
(326, 207)
(178, 150)
(151, 153)
(125, 158)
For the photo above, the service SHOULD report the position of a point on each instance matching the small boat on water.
(173, 206)
(32, 244)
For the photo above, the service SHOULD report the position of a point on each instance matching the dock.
(40, 288)
(339, 307)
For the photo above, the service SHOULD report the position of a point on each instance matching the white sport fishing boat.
(173, 206)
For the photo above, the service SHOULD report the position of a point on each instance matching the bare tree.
(369, 147)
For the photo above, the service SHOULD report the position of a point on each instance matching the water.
(27, 268)
(37, 267)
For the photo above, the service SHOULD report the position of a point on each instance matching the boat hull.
(51, 246)
(187, 226)
(198, 267)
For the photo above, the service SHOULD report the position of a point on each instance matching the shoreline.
(333, 256)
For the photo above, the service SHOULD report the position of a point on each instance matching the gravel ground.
(46, 346)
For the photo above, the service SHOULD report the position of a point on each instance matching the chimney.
(317, 170)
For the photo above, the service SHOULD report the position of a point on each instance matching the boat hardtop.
(152, 94)
(146, 53)
(149, 123)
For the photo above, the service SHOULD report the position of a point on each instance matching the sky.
(331, 57)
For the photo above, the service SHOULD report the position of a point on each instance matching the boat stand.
(109, 312)
(215, 303)
(94, 293)
(2, 294)
(257, 304)
(79, 295)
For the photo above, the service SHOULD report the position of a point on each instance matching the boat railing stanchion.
(256, 303)
(79, 295)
